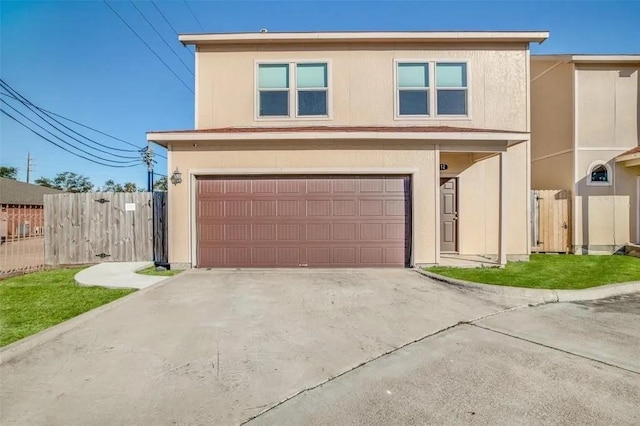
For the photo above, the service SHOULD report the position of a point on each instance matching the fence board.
(80, 229)
(160, 242)
(553, 212)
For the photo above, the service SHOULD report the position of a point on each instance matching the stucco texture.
(478, 196)
(362, 84)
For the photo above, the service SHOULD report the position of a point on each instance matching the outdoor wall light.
(176, 177)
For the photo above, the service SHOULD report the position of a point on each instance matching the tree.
(67, 181)
(160, 184)
(9, 172)
(111, 186)
(46, 182)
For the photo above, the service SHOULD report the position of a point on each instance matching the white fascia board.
(348, 37)
(441, 136)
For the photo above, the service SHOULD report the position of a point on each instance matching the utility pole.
(147, 158)
(29, 165)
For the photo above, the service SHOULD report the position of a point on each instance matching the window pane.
(451, 75)
(413, 75)
(452, 102)
(599, 174)
(274, 103)
(414, 102)
(312, 102)
(273, 76)
(311, 75)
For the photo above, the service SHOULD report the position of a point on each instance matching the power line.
(165, 19)
(62, 140)
(29, 105)
(160, 35)
(148, 47)
(61, 147)
(193, 14)
(84, 125)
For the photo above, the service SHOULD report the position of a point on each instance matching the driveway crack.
(554, 348)
(389, 352)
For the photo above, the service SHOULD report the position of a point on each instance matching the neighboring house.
(353, 149)
(585, 128)
(21, 208)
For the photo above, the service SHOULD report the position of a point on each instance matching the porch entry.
(448, 215)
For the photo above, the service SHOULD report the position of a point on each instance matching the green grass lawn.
(553, 272)
(151, 270)
(32, 302)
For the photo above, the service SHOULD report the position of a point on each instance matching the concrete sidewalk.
(117, 275)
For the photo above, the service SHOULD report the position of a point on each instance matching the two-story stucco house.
(585, 129)
(353, 149)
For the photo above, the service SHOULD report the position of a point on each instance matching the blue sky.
(76, 58)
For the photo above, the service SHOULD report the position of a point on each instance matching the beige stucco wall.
(551, 124)
(607, 122)
(605, 216)
(478, 201)
(361, 84)
(607, 100)
(582, 114)
(478, 196)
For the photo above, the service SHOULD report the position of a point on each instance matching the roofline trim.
(590, 59)
(368, 37)
(164, 138)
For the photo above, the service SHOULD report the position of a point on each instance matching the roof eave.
(164, 139)
(365, 37)
(589, 59)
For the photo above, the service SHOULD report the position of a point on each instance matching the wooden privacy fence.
(551, 219)
(160, 241)
(98, 227)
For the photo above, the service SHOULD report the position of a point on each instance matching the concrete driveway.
(329, 346)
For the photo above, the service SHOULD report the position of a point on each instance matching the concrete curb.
(29, 343)
(541, 295)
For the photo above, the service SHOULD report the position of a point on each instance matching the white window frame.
(435, 88)
(610, 176)
(293, 91)
(396, 96)
(433, 111)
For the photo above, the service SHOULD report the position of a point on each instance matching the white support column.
(436, 201)
(502, 221)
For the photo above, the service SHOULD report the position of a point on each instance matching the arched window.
(599, 174)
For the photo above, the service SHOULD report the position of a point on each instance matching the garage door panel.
(264, 208)
(318, 231)
(263, 186)
(318, 208)
(263, 232)
(344, 255)
(345, 231)
(288, 232)
(303, 221)
(372, 255)
(237, 232)
(319, 256)
(288, 256)
(371, 207)
(344, 208)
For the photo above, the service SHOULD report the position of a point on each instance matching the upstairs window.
(413, 89)
(599, 174)
(451, 88)
(311, 84)
(273, 87)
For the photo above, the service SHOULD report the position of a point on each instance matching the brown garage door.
(303, 221)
